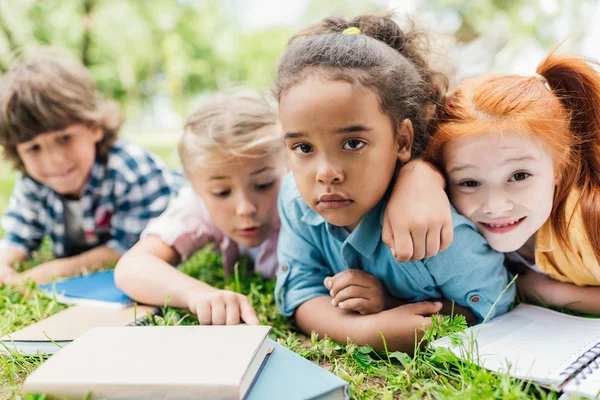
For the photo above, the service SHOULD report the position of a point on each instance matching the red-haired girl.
(522, 161)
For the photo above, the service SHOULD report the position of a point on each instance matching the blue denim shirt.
(469, 272)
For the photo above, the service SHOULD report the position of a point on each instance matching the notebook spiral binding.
(145, 319)
(585, 365)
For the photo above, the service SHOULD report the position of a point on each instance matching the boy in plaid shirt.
(90, 192)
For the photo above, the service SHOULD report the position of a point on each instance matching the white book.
(155, 362)
(534, 343)
(53, 333)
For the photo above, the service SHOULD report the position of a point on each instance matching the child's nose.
(245, 207)
(328, 174)
(497, 203)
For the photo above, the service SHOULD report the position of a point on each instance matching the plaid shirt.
(124, 192)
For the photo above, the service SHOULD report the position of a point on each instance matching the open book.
(212, 362)
(96, 289)
(534, 343)
(51, 334)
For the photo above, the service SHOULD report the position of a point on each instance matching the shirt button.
(284, 268)
(475, 299)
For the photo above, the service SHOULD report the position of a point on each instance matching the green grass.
(393, 375)
(429, 374)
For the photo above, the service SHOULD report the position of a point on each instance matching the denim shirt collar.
(367, 234)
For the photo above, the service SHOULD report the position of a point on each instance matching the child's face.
(62, 160)
(241, 195)
(342, 149)
(504, 183)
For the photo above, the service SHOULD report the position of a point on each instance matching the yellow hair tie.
(351, 31)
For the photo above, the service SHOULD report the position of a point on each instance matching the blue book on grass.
(287, 375)
(96, 289)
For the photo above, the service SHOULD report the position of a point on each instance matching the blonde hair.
(49, 94)
(235, 124)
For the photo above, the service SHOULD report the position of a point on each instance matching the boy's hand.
(8, 276)
(418, 222)
(357, 290)
(221, 307)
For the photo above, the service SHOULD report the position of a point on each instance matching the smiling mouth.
(66, 173)
(503, 227)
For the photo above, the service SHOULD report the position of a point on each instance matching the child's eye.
(302, 148)
(469, 184)
(34, 149)
(64, 139)
(353, 144)
(265, 186)
(222, 193)
(519, 176)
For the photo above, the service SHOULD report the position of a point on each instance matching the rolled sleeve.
(471, 273)
(302, 266)
(185, 225)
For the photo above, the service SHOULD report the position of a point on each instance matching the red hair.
(565, 116)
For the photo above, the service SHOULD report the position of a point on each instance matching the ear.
(97, 134)
(404, 140)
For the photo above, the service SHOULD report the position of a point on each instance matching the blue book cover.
(98, 289)
(287, 375)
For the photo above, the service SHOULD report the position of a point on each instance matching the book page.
(587, 383)
(529, 342)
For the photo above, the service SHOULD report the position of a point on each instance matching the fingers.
(418, 236)
(432, 241)
(402, 248)
(347, 278)
(357, 304)
(349, 292)
(424, 308)
(447, 235)
(386, 233)
(232, 310)
(204, 313)
(247, 313)
(218, 312)
(427, 323)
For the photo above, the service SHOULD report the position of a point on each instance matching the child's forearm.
(88, 261)
(400, 329)
(427, 172)
(147, 275)
(584, 299)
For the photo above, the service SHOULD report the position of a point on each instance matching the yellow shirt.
(578, 264)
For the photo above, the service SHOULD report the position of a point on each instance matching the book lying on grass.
(51, 334)
(211, 362)
(96, 289)
(534, 343)
(289, 376)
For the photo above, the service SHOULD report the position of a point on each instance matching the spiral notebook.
(537, 344)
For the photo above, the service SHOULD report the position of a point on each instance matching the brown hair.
(565, 115)
(49, 94)
(239, 123)
(382, 57)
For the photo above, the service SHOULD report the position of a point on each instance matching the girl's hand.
(8, 276)
(357, 290)
(418, 222)
(221, 307)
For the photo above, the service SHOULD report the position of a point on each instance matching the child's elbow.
(125, 271)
